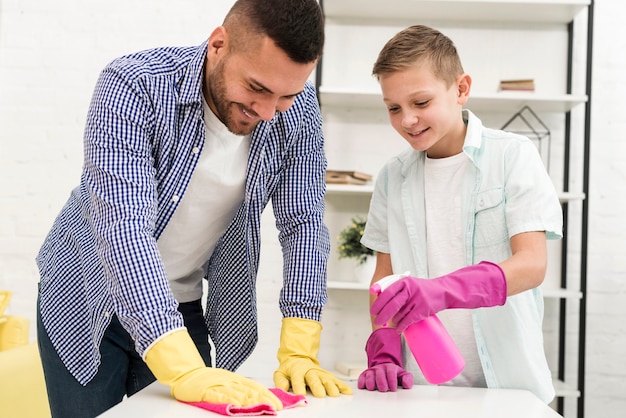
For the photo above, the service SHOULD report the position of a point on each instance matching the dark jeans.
(121, 373)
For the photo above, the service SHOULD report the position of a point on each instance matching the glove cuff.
(173, 356)
(299, 337)
(384, 346)
(498, 279)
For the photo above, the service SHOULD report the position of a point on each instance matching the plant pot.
(363, 272)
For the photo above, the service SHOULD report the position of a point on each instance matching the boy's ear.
(464, 84)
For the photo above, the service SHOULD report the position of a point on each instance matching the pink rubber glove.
(410, 299)
(384, 362)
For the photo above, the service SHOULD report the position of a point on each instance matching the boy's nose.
(409, 119)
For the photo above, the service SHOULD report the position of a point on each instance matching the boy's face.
(425, 111)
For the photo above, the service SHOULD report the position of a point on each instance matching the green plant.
(350, 242)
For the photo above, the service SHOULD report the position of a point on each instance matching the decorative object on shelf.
(5, 297)
(350, 242)
(364, 272)
(350, 370)
(350, 247)
(346, 177)
(526, 122)
(517, 85)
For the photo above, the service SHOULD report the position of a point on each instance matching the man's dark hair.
(296, 26)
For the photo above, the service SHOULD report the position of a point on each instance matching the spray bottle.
(435, 352)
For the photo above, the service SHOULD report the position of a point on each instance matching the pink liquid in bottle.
(434, 350)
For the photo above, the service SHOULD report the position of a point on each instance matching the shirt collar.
(191, 82)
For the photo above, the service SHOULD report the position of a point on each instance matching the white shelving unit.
(557, 11)
(506, 101)
(538, 36)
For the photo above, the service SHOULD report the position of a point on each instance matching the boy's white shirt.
(444, 235)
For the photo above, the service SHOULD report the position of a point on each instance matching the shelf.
(563, 390)
(547, 293)
(338, 189)
(507, 102)
(349, 189)
(570, 196)
(554, 11)
(513, 101)
(341, 285)
(561, 294)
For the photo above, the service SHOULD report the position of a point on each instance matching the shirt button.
(107, 314)
(175, 198)
(195, 150)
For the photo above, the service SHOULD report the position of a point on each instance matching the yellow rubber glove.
(298, 364)
(175, 361)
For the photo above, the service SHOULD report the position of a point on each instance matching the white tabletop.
(420, 401)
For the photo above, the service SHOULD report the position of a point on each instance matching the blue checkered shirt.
(100, 258)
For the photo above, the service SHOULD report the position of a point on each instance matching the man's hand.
(298, 364)
(175, 361)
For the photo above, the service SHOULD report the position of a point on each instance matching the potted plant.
(350, 242)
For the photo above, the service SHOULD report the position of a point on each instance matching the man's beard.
(224, 107)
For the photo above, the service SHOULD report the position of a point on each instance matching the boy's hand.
(411, 299)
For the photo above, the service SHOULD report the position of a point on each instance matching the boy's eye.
(256, 89)
(422, 104)
(393, 109)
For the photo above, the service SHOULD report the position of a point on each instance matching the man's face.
(242, 88)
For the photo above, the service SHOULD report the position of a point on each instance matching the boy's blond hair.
(419, 44)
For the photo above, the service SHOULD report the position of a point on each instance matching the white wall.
(50, 56)
(606, 311)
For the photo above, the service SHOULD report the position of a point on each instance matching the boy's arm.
(526, 268)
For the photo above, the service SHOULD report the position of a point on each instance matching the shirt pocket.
(490, 219)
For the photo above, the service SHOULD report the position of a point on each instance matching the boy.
(467, 210)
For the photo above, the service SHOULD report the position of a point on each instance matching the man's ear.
(217, 42)
(464, 84)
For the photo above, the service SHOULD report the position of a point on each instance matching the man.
(184, 147)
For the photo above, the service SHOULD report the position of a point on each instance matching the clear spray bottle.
(434, 350)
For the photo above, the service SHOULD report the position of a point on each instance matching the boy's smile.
(425, 111)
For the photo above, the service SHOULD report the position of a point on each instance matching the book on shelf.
(351, 370)
(517, 85)
(346, 177)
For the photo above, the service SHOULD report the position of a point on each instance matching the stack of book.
(346, 177)
(517, 85)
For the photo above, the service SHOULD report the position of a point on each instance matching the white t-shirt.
(443, 185)
(214, 194)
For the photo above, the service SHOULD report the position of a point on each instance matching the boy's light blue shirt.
(508, 191)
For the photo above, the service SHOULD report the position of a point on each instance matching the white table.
(420, 401)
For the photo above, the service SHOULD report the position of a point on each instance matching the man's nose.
(265, 108)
